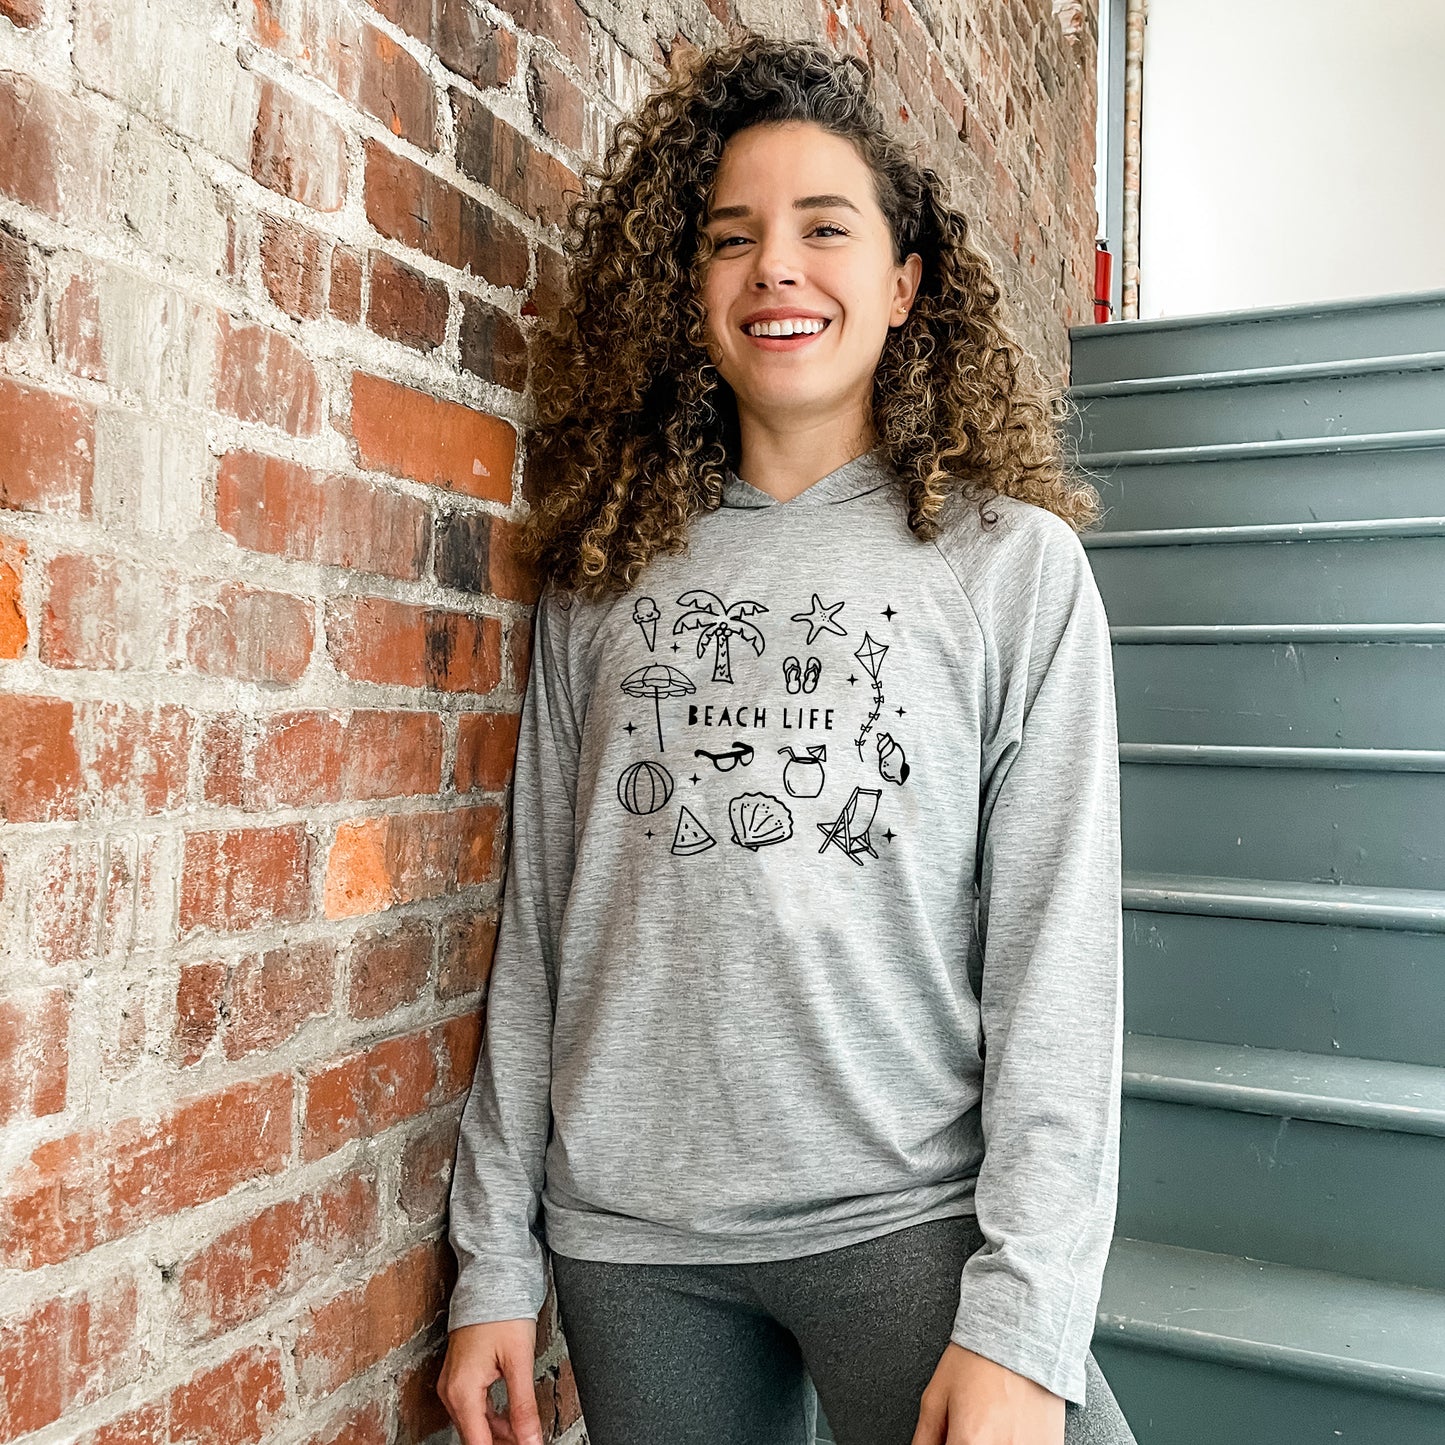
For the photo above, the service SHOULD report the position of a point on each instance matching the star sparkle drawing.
(821, 619)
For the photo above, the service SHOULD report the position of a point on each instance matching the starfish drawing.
(820, 619)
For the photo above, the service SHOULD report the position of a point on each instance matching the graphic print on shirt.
(719, 621)
(758, 816)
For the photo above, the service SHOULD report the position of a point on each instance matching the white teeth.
(785, 328)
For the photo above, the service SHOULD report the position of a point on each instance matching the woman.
(814, 876)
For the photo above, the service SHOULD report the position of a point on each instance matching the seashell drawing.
(891, 762)
(759, 819)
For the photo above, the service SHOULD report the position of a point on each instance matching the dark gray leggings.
(740, 1354)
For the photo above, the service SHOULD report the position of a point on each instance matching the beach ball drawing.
(644, 787)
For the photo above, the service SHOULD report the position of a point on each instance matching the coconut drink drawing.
(645, 615)
(657, 680)
(717, 622)
(870, 653)
(803, 776)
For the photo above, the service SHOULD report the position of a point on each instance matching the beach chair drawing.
(849, 830)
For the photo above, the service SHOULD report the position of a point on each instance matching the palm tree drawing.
(718, 622)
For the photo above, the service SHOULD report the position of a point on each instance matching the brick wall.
(266, 272)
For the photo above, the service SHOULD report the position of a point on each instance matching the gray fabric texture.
(742, 1354)
(811, 925)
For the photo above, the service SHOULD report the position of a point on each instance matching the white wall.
(1291, 150)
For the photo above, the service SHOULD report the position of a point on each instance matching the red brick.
(509, 575)
(145, 1425)
(306, 758)
(200, 1004)
(85, 1189)
(362, 1326)
(411, 434)
(345, 299)
(75, 339)
(378, 863)
(557, 105)
(14, 630)
(458, 1041)
(467, 945)
(407, 306)
(235, 1403)
(298, 151)
(374, 639)
(57, 151)
(389, 969)
(426, 1170)
(222, 762)
(407, 203)
(420, 1412)
(17, 284)
(65, 899)
(239, 878)
(139, 758)
(492, 344)
(108, 613)
(395, 89)
(276, 506)
(39, 765)
(48, 461)
(519, 652)
(23, 12)
(65, 1353)
(252, 636)
(462, 38)
(34, 1053)
(363, 1094)
(295, 266)
(503, 159)
(265, 377)
(486, 750)
(551, 286)
(367, 1425)
(272, 1255)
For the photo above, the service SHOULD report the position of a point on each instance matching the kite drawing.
(717, 622)
(870, 653)
(657, 680)
(821, 619)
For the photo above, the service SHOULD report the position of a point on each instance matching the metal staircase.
(1273, 564)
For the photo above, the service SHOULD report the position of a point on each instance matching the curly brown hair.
(633, 427)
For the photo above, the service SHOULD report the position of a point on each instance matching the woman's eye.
(821, 226)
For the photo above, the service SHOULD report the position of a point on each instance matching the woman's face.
(797, 231)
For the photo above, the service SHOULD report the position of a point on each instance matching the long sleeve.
(1051, 932)
(496, 1189)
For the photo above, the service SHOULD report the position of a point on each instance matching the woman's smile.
(786, 343)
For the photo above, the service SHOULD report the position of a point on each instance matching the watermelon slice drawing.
(691, 836)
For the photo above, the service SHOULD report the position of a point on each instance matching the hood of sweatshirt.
(864, 473)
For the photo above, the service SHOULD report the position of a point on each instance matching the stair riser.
(1172, 1399)
(1293, 1191)
(1387, 579)
(1305, 824)
(1264, 411)
(1326, 487)
(1369, 993)
(1343, 695)
(1123, 351)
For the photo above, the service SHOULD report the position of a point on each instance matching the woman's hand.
(972, 1400)
(477, 1357)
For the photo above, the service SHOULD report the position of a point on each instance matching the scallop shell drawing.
(759, 819)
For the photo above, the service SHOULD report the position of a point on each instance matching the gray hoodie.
(813, 888)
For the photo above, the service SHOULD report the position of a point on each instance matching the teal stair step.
(1338, 485)
(1301, 968)
(1284, 900)
(1352, 530)
(1234, 377)
(1259, 336)
(1210, 633)
(1320, 578)
(1394, 394)
(1372, 1334)
(1274, 694)
(1363, 760)
(1369, 1093)
(1205, 1349)
(1310, 824)
(1264, 449)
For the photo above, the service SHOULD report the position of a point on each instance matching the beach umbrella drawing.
(657, 680)
(870, 654)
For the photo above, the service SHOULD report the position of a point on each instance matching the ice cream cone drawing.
(645, 615)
